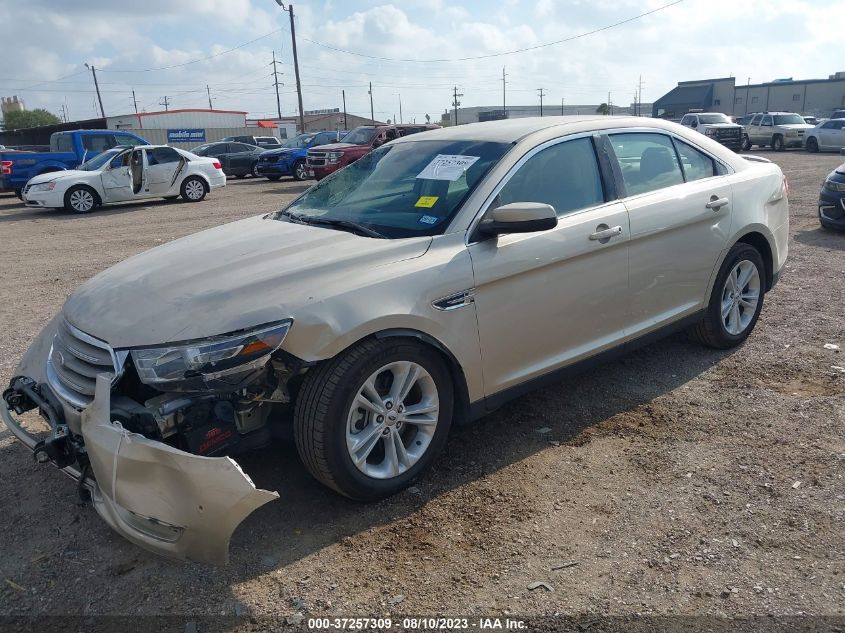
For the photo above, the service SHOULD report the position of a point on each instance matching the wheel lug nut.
(388, 405)
(380, 419)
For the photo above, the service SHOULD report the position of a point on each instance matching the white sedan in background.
(123, 174)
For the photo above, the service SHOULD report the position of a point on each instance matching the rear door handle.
(717, 203)
(604, 233)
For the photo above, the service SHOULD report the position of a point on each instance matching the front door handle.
(604, 233)
(716, 203)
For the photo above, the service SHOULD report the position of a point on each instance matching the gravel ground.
(678, 480)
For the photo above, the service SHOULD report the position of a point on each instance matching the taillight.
(217, 165)
(5, 167)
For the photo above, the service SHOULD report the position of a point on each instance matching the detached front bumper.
(165, 500)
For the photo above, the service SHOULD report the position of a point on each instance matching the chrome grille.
(317, 158)
(75, 361)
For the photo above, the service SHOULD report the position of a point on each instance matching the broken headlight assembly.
(166, 366)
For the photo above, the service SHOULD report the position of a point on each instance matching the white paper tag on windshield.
(447, 167)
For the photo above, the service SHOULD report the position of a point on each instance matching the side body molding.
(165, 500)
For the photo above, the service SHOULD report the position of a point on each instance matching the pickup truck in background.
(327, 159)
(289, 160)
(68, 150)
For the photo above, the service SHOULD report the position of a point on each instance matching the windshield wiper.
(343, 224)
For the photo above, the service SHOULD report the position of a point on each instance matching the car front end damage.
(155, 460)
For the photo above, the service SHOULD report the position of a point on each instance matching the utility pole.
(640, 96)
(540, 91)
(64, 116)
(400, 108)
(747, 88)
(208, 90)
(343, 92)
(289, 9)
(97, 88)
(372, 112)
(165, 102)
(561, 106)
(276, 83)
(609, 105)
(504, 101)
(456, 103)
(135, 102)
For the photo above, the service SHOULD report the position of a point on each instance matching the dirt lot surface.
(678, 480)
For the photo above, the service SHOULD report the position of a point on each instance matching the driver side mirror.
(518, 217)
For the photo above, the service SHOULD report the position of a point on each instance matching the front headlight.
(335, 156)
(832, 185)
(44, 186)
(211, 357)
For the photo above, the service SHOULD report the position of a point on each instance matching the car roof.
(513, 130)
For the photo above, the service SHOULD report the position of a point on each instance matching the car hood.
(332, 146)
(225, 279)
(281, 151)
(56, 175)
(797, 126)
(721, 125)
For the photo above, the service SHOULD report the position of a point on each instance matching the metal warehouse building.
(818, 97)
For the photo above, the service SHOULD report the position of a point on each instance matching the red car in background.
(327, 159)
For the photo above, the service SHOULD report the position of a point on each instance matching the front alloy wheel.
(392, 420)
(300, 170)
(80, 200)
(373, 418)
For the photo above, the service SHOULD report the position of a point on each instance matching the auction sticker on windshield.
(447, 167)
(426, 202)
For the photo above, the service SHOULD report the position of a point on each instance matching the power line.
(193, 61)
(488, 56)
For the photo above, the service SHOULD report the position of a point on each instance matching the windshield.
(360, 135)
(402, 190)
(713, 118)
(299, 141)
(788, 119)
(100, 160)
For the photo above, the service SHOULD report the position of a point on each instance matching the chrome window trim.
(485, 206)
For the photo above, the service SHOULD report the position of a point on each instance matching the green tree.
(29, 118)
(603, 109)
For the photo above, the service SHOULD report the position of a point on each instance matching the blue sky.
(45, 44)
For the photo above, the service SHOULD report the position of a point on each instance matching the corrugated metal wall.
(159, 137)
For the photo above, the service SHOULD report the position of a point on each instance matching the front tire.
(81, 199)
(736, 300)
(777, 143)
(193, 189)
(746, 143)
(812, 145)
(372, 419)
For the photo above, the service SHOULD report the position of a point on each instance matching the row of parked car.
(777, 130)
(309, 155)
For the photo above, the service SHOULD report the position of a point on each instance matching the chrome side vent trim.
(455, 301)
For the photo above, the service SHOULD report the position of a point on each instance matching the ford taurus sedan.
(424, 285)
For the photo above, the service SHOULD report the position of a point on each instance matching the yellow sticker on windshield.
(426, 202)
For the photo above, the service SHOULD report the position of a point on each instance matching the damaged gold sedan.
(433, 279)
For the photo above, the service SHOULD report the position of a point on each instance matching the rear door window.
(647, 160)
(162, 156)
(696, 164)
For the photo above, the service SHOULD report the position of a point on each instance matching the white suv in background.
(717, 126)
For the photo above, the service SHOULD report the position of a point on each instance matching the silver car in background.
(425, 284)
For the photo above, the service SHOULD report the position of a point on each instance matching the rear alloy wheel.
(193, 189)
(254, 170)
(80, 199)
(736, 299)
(777, 143)
(372, 419)
(300, 170)
(812, 145)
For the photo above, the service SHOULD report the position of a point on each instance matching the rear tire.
(734, 307)
(812, 145)
(254, 170)
(300, 170)
(331, 424)
(81, 199)
(193, 189)
(777, 143)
